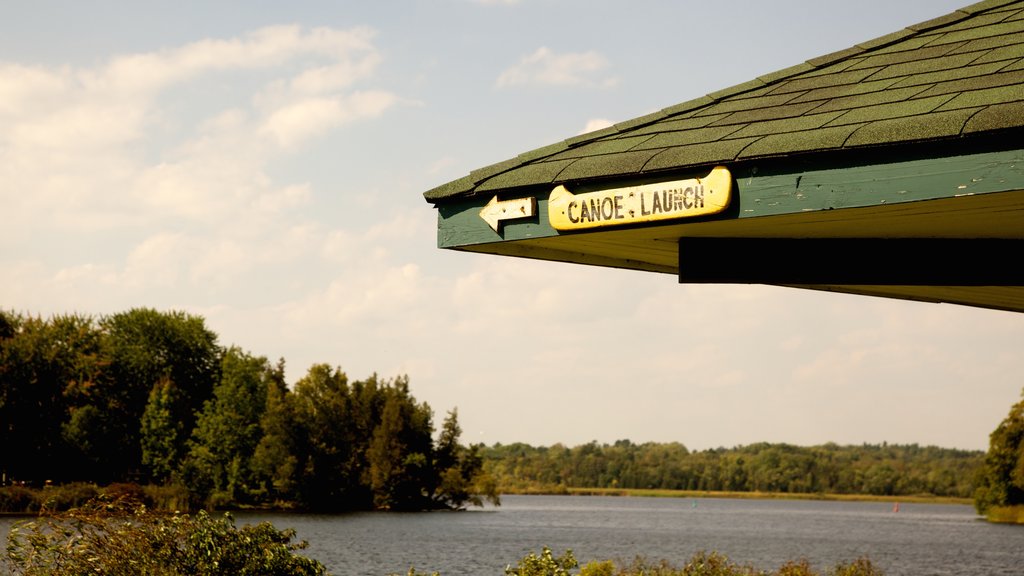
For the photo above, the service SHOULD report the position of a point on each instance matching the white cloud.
(545, 67)
(596, 124)
(299, 120)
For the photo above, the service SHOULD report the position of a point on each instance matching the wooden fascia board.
(770, 188)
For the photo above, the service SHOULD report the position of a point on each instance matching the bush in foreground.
(124, 538)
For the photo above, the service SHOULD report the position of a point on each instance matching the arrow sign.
(496, 211)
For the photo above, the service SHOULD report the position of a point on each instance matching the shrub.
(18, 500)
(544, 565)
(124, 538)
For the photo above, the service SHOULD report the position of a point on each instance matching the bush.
(18, 500)
(124, 538)
(544, 565)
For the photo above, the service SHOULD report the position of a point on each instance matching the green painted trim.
(776, 188)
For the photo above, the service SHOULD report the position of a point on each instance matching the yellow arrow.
(496, 211)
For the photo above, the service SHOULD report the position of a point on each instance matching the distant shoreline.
(660, 493)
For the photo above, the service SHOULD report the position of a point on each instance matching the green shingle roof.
(946, 78)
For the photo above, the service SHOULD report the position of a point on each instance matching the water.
(919, 540)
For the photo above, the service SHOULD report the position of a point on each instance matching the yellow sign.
(644, 203)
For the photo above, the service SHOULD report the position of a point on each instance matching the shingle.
(769, 113)
(1004, 53)
(949, 74)
(893, 110)
(696, 154)
(922, 66)
(486, 172)
(812, 82)
(544, 152)
(985, 97)
(687, 106)
(938, 22)
(886, 40)
(607, 165)
(786, 73)
(580, 139)
(738, 89)
(927, 126)
(738, 104)
(528, 175)
(976, 22)
(678, 125)
(1010, 27)
(845, 90)
(989, 43)
(453, 188)
(807, 141)
(870, 99)
(1018, 65)
(976, 83)
(996, 117)
(905, 45)
(986, 5)
(642, 120)
(670, 139)
(838, 56)
(833, 67)
(807, 122)
(599, 147)
(891, 58)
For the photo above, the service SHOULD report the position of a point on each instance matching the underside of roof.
(913, 136)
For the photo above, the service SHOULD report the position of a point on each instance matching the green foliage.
(149, 396)
(1000, 482)
(158, 432)
(544, 564)
(120, 538)
(868, 469)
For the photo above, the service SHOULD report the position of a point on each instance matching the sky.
(262, 165)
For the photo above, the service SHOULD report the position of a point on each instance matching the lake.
(917, 540)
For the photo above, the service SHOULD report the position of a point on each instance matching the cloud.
(545, 67)
(595, 124)
(300, 120)
(155, 171)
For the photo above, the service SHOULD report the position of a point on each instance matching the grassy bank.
(921, 498)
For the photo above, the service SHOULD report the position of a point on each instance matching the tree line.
(886, 469)
(151, 397)
(146, 396)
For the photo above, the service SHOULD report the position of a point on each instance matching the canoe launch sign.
(643, 203)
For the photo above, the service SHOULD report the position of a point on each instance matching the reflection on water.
(918, 540)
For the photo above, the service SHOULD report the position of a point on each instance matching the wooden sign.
(644, 203)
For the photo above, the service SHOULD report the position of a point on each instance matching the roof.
(955, 76)
(892, 168)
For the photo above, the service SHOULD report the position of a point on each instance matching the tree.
(228, 430)
(1001, 479)
(460, 475)
(400, 453)
(46, 366)
(143, 347)
(327, 469)
(274, 463)
(159, 431)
